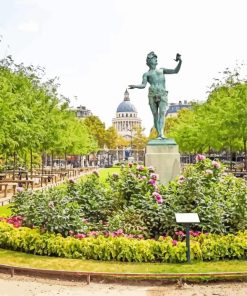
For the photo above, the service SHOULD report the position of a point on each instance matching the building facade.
(173, 108)
(82, 112)
(126, 118)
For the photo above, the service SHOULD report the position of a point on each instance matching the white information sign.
(187, 218)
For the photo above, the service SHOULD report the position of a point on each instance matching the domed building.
(126, 118)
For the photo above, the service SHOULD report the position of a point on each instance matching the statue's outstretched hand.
(131, 86)
(178, 57)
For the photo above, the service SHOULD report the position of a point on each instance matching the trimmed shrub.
(165, 249)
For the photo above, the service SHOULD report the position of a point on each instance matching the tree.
(139, 140)
(111, 138)
(96, 128)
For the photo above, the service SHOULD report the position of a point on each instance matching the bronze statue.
(157, 94)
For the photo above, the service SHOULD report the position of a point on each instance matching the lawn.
(104, 173)
(44, 262)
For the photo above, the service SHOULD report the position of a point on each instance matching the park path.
(26, 286)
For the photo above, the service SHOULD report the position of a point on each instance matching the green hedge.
(205, 247)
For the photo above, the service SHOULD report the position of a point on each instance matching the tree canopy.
(34, 117)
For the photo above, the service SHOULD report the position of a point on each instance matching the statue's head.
(149, 57)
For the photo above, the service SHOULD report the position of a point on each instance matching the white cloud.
(29, 26)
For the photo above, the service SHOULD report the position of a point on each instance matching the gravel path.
(26, 286)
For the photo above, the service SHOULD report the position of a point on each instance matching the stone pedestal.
(164, 156)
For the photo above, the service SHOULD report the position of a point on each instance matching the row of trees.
(111, 139)
(219, 124)
(34, 119)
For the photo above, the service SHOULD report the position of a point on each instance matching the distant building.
(174, 108)
(82, 112)
(126, 118)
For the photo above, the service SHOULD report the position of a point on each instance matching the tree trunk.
(14, 168)
(31, 163)
(52, 157)
(6, 162)
(65, 162)
(43, 162)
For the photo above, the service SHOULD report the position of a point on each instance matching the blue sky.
(98, 47)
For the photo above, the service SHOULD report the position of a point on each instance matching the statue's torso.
(156, 79)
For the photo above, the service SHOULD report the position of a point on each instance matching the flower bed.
(121, 248)
(133, 207)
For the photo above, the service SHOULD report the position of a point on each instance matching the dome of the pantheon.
(126, 105)
(126, 118)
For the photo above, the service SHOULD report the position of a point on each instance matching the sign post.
(187, 219)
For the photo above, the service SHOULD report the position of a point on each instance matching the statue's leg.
(154, 109)
(161, 117)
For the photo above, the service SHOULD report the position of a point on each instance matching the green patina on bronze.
(164, 141)
(157, 94)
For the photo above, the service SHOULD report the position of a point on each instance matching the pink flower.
(174, 242)
(200, 157)
(158, 197)
(119, 232)
(151, 169)
(80, 235)
(93, 233)
(140, 167)
(16, 221)
(112, 234)
(19, 189)
(215, 164)
(180, 233)
(154, 176)
(143, 177)
(195, 233)
(152, 182)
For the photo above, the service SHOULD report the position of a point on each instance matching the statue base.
(164, 156)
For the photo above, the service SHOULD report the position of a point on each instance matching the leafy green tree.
(96, 128)
(111, 137)
(139, 140)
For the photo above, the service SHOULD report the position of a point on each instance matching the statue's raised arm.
(175, 70)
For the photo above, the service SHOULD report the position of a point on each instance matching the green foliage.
(135, 202)
(219, 123)
(95, 201)
(34, 118)
(50, 210)
(123, 219)
(96, 129)
(218, 198)
(210, 247)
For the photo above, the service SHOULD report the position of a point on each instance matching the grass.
(104, 173)
(44, 262)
